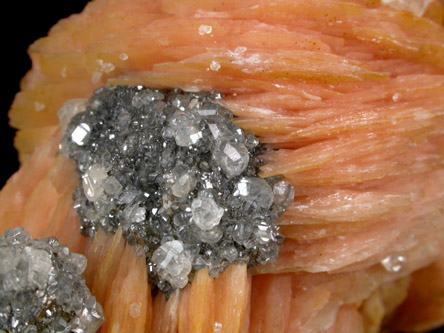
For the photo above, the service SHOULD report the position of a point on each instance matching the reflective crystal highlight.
(393, 263)
(206, 213)
(256, 191)
(80, 134)
(172, 263)
(232, 157)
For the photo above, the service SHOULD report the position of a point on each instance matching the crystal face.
(206, 213)
(232, 157)
(172, 263)
(80, 133)
(41, 287)
(173, 171)
(393, 263)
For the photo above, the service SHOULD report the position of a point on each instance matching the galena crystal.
(173, 171)
(41, 287)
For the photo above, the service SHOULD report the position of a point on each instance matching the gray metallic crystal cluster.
(42, 289)
(179, 177)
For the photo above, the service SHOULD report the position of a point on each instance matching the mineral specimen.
(42, 289)
(179, 177)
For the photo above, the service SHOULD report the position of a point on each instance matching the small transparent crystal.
(93, 182)
(256, 190)
(206, 213)
(172, 263)
(393, 263)
(283, 193)
(112, 186)
(232, 157)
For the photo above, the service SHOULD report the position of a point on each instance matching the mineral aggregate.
(42, 289)
(173, 171)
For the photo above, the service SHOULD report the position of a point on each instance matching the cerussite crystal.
(172, 263)
(206, 213)
(41, 287)
(179, 177)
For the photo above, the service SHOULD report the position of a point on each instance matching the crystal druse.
(42, 289)
(173, 171)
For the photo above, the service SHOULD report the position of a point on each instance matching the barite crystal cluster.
(42, 289)
(179, 177)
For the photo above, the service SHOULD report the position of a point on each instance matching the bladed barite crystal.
(179, 177)
(42, 289)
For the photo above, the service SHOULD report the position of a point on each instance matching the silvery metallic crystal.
(42, 289)
(172, 170)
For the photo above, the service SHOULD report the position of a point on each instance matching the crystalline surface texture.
(179, 177)
(42, 288)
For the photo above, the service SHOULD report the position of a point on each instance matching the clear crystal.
(182, 181)
(206, 213)
(256, 190)
(393, 263)
(241, 232)
(9, 259)
(263, 232)
(79, 261)
(229, 252)
(91, 317)
(112, 186)
(40, 264)
(93, 182)
(185, 129)
(210, 236)
(172, 263)
(217, 327)
(134, 213)
(215, 130)
(232, 157)
(17, 235)
(205, 29)
(142, 98)
(208, 111)
(283, 193)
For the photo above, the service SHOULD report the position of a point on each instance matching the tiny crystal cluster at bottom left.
(42, 289)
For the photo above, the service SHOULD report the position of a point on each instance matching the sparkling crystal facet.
(206, 213)
(393, 263)
(80, 134)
